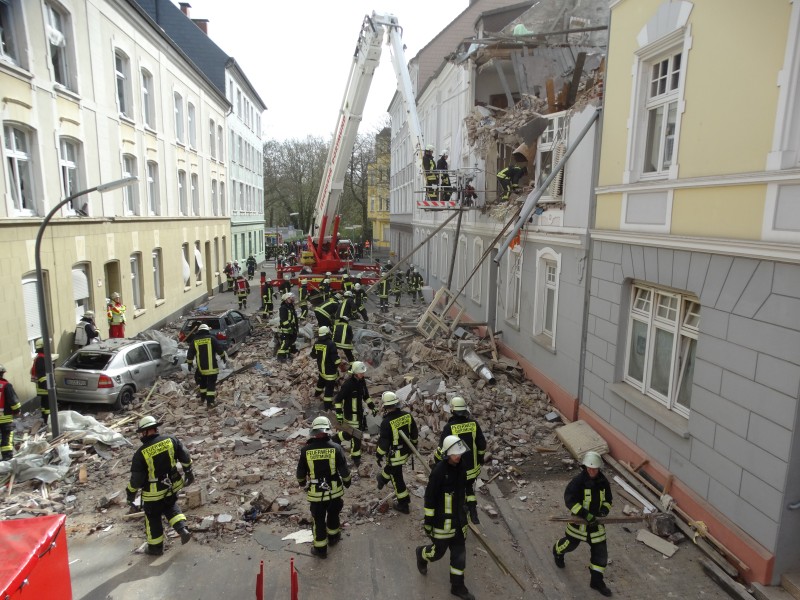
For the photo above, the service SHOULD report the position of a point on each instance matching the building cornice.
(754, 178)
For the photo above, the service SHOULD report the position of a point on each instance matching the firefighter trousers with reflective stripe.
(394, 473)
(7, 443)
(325, 520)
(153, 510)
(458, 553)
(598, 551)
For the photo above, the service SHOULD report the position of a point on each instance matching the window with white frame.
(136, 280)
(130, 203)
(69, 156)
(186, 268)
(476, 284)
(57, 27)
(434, 256)
(214, 199)
(223, 200)
(198, 263)
(30, 301)
(212, 138)
(158, 274)
(661, 109)
(461, 260)
(545, 303)
(232, 146)
(183, 198)
(192, 125)
(549, 151)
(81, 289)
(153, 197)
(661, 344)
(12, 31)
(220, 142)
(195, 195)
(122, 72)
(513, 284)
(148, 100)
(19, 159)
(179, 124)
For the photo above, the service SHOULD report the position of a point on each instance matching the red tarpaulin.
(35, 562)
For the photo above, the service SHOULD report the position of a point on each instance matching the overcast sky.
(298, 56)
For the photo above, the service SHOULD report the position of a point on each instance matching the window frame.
(551, 147)
(212, 139)
(186, 271)
(148, 99)
(137, 281)
(179, 118)
(153, 189)
(191, 125)
(129, 168)
(10, 33)
(647, 310)
(122, 75)
(69, 165)
(194, 183)
(183, 199)
(513, 289)
(158, 273)
(14, 159)
(214, 198)
(548, 263)
(82, 303)
(61, 62)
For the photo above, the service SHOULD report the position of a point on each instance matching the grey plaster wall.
(739, 450)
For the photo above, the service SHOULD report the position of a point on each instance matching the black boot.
(422, 564)
(473, 514)
(458, 589)
(559, 558)
(8, 455)
(403, 507)
(154, 549)
(381, 481)
(334, 539)
(183, 531)
(598, 584)
(319, 552)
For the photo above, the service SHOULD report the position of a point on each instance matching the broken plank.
(602, 520)
(344, 426)
(656, 543)
(491, 340)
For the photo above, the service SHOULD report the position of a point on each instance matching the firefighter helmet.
(388, 398)
(358, 367)
(203, 327)
(357, 286)
(89, 314)
(458, 404)
(345, 276)
(321, 425)
(39, 344)
(287, 296)
(453, 446)
(286, 276)
(429, 148)
(2, 369)
(592, 460)
(328, 273)
(304, 282)
(115, 296)
(326, 280)
(348, 294)
(324, 330)
(147, 422)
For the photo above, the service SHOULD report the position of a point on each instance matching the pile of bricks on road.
(245, 450)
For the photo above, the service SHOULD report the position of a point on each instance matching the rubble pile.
(245, 450)
(486, 125)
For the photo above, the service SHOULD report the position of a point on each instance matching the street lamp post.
(45, 329)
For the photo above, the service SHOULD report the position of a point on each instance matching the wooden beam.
(576, 79)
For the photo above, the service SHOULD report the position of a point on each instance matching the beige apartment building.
(92, 92)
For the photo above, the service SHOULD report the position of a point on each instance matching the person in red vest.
(242, 288)
(9, 408)
(116, 317)
(39, 377)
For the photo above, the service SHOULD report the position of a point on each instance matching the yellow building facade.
(693, 349)
(93, 92)
(378, 190)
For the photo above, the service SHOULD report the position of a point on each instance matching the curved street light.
(44, 328)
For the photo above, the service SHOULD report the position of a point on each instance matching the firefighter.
(431, 178)
(462, 424)
(397, 287)
(360, 301)
(116, 317)
(39, 376)
(9, 408)
(154, 470)
(289, 327)
(343, 337)
(588, 496)
(346, 306)
(508, 179)
(228, 270)
(446, 517)
(325, 288)
(349, 404)
(383, 292)
(242, 287)
(323, 468)
(206, 348)
(250, 263)
(391, 445)
(326, 312)
(328, 364)
(266, 296)
(302, 298)
(415, 284)
(347, 283)
(444, 176)
(286, 284)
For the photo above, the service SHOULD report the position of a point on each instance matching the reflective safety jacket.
(302, 295)
(343, 335)
(116, 313)
(349, 402)
(390, 443)
(346, 309)
(470, 433)
(347, 284)
(383, 287)
(416, 281)
(323, 467)
(9, 403)
(445, 500)
(205, 348)
(326, 312)
(360, 298)
(242, 287)
(38, 374)
(154, 468)
(266, 295)
(327, 355)
(587, 496)
(288, 319)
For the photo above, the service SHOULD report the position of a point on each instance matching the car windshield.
(89, 360)
(213, 323)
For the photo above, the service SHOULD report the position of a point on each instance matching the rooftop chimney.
(185, 6)
(202, 24)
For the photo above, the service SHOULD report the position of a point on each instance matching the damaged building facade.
(652, 290)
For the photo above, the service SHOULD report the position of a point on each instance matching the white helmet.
(348, 293)
(287, 296)
(453, 446)
(326, 280)
(324, 330)
(592, 460)
(458, 404)
(358, 367)
(388, 398)
(328, 273)
(147, 422)
(286, 276)
(321, 425)
(203, 327)
(429, 147)
(357, 286)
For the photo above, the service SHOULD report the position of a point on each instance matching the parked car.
(110, 372)
(229, 326)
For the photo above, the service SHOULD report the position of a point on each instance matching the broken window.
(661, 344)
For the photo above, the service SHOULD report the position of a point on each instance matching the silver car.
(110, 372)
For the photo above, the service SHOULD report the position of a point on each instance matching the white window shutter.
(30, 298)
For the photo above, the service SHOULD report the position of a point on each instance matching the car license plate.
(76, 382)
